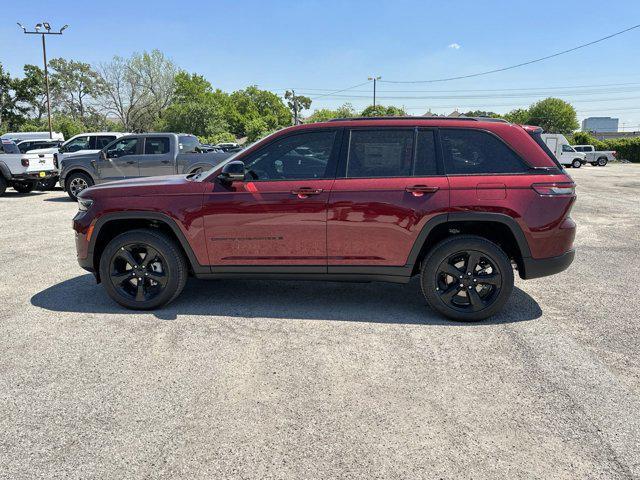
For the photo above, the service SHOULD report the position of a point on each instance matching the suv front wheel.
(467, 278)
(143, 269)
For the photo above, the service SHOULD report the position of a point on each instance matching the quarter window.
(380, 153)
(156, 146)
(297, 157)
(477, 152)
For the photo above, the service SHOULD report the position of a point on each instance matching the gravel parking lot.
(257, 379)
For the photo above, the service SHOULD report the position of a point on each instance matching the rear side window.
(477, 152)
(380, 153)
(156, 145)
(103, 141)
(188, 144)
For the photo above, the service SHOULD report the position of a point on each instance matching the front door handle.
(304, 192)
(420, 190)
(166, 162)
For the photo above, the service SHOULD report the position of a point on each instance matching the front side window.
(297, 157)
(156, 146)
(567, 148)
(80, 143)
(127, 146)
(380, 153)
(476, 152)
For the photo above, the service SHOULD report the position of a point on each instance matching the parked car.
(228, 147)
(455, 201)
(133, 156)
(597, 158)
(19, 136)
(564, 152)
(27, 145)
(22, 171)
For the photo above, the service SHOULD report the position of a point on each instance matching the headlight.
(84, 204)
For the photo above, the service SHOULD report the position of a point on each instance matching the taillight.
(615, 154)
(560, 188)
(25, 162)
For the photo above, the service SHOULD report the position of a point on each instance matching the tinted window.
(103, 141)
(7, 146)
(425, 163)
(477, 152)
(297, 157)
(380, 153)
(156, 146)
(188, 144)
(122, 148)
(80, 143)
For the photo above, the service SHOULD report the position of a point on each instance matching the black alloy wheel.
(467, 278)
(143, 269)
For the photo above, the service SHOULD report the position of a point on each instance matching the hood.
(146, 186)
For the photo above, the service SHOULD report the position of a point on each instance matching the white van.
(19, 136)
(563, 151)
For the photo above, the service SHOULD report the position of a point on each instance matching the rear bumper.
(542, 267)
(34, 176)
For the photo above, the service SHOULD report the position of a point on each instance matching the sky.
(319, 47)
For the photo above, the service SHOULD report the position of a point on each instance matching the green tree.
(33, 90)
(297, 103)
(382, 111)
(482, 113)
(520, 116)
(325, 114)
(252, 104)
(12, 102)
(553, 115)
(74, 84)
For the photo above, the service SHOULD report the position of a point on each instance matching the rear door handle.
(131, 162)
(304, 192)
(420, 190)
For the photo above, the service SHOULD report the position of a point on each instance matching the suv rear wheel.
(143, 269)
(24, 187)
(466, 278)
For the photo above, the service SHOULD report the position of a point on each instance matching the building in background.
(600, 124)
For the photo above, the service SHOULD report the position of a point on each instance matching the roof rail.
(468, 119)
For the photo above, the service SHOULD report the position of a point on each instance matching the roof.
(419, 119)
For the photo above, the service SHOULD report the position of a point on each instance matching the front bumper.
(542, 267)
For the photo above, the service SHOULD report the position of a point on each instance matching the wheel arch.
(77, 169)
(109, 226)
(496, 227)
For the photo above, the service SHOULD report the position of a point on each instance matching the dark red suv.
(460, 202)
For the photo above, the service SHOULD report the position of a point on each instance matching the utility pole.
(375, 79)
(295, 108)
(48, 31)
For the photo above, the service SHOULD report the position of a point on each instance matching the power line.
(343, 90)
(557, 54)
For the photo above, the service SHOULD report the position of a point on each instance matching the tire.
(602, 161)
(76, 182)
(444, 292)
(3, 185)
(24, 187)
(576, 163)
(47, 184)
(168, 265)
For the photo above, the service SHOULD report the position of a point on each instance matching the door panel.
(157, 158)
(265, 223)
(122, 161)
(375, 221)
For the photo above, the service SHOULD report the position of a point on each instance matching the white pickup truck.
(23, 171)
(597, 158)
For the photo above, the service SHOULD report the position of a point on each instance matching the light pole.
(47, 31)
(375, 79)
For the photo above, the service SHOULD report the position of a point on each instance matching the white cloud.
(455, 46)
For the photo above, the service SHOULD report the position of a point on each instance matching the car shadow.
(375, 302)
(62, 199)
(13, 194)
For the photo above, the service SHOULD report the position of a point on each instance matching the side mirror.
(232, 172)
(103, 155)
